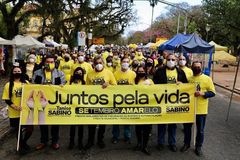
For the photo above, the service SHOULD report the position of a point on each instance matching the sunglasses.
(170, 59)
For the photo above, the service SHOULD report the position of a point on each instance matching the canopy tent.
(27, 42)
(195, 44)
(64, 46)
(158, 43)
(224, 57)
(5, 42)
(51, 43)
(218, 47)
(174, 42)
(148, 45)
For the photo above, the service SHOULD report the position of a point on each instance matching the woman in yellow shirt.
(77, 79)
(142, 131)
(12, 94)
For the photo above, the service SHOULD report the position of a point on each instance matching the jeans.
(116, 132)
(171, 133)
(142, 133)
(200, 124)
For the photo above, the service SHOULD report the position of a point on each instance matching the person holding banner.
(204, 90)
(124, 76)
(104, 77)
(169, 74)
(77, 79)
(12, 95)
(49, 75)
(143, 131)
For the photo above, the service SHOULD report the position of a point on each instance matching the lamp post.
(207, 30)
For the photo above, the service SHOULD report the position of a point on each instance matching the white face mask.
(182, 62)
(81, 58)
(125, 65)
(109, 64)
(99, 67)
(171, 64)
(31, 60)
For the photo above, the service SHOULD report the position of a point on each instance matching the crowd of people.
(109, 66)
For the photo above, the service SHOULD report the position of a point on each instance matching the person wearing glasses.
(168, 74)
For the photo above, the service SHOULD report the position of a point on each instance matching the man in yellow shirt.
(124, 76)
(104, 77)
(66, 67)
(204, 90)
(182, 65)
(87, 67)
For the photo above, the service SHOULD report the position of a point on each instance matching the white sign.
(81, 38)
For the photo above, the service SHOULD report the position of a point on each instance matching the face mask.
(182, 62)
(99, 67)
(81, 58)
(66, 59)
(141, 75)
(50, 66)
(109, 64)
(17, 75)
(149, 64)
(125, 65)
(77, 76)
(135, 65)
(196, 70)
(171, 64)
(31, 60)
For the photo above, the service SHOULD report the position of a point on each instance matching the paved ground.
(222, 140)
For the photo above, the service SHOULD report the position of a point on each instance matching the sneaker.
(160, 147)
(55, 146)
(198, 151)
(101, 144)
(185, 148)
(173, 148)
(89, 145)
(146, 151)
(41, 146)
(114, 140)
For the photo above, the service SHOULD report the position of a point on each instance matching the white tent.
(51, 43)
(27, 42)
(148, 45)
(5, 42)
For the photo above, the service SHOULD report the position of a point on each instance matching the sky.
(144, 13)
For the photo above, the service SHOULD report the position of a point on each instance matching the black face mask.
(77, 76)
(66, 59)
(196, 70)
(17, 75)
(141, 75)
(135, 65)
(149, 64)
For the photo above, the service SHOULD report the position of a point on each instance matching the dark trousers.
(25, 131)
(142, 133)
(200, 124)
(171, 133)
(80, 133)
(116, 132)
(54, 133)
(92, 131)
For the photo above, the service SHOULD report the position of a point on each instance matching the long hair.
(152, 70)
(137, 79)
(82, 77)
(11, 81)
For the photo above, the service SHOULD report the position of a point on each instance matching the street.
(222, 140)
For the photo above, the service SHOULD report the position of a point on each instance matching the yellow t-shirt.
(99, 78)
(188, 72)
(171, 75)
(124, 78)
(48, 76)
(87, 67)
(205, 84)
(16, 98)
(29, 70)
(66, 68)
(105, 55)
(146, 82)
(109, 68)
